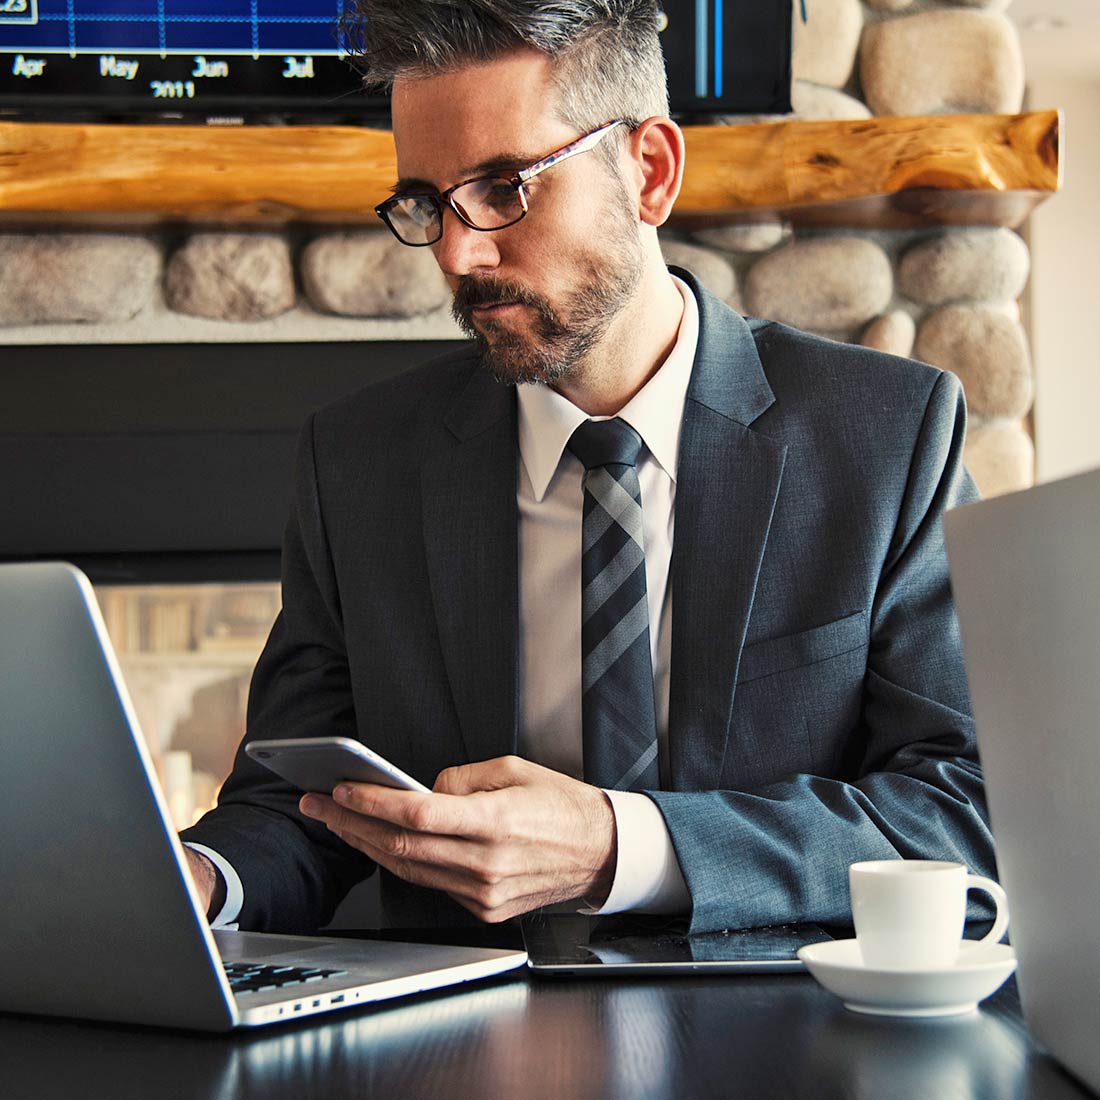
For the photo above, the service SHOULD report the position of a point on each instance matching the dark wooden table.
(777, 1037)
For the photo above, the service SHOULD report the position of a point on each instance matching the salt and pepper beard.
(559, 340)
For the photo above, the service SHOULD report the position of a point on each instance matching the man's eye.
(500, 193)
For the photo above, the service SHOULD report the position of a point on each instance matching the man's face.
(539, 295)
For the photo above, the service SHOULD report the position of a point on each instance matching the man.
(773, 691)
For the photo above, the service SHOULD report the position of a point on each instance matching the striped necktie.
(617, 706)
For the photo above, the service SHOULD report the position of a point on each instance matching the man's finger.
(323, 809)
(399, 843)
(438, 814)
(488, 881)
(483, 865)
(454, 878)
(486, 775)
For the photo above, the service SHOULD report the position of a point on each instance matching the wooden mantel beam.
(881, 171)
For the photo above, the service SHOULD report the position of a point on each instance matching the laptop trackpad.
(234, 946)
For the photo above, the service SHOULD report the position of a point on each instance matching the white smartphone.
(320, 763)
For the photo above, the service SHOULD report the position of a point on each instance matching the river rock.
(231, 277)
(823, 284)
(893, 333)
(1010, 309)
(938, 62)
(1000, 458)
(757, 237)
(711, 268)
(977, 265)
(815, 101)
(59, 278)
(808, 101)
(989, 353)
(368, 273)
(823, 49)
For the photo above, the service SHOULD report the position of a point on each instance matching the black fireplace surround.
(165, 463)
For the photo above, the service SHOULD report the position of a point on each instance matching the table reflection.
(46, 1058)
(876, 1058)
(767, 1036)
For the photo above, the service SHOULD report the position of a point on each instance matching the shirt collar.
(655, 412)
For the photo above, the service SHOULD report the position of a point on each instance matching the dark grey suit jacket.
(818, 706)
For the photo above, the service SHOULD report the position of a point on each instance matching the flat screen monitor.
(282, 60)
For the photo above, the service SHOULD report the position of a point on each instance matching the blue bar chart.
(105, 59)
(235, 27)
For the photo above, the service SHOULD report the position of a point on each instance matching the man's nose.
(461, 249)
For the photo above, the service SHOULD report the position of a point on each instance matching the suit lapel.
(727, 484)
(468, 481)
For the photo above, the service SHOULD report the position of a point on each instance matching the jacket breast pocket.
(797, 705)
(807, 647)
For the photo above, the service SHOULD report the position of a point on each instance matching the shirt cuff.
(234, 890)
(648, 878)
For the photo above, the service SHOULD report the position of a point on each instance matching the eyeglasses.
(485, 203)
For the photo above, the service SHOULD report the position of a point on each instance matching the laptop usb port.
(338, 999)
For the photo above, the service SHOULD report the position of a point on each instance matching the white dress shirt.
(551, 509)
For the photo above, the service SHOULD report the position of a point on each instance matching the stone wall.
(948, 296)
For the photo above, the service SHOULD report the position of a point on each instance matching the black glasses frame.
(446, 198)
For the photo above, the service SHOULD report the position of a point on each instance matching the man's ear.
(657, 149)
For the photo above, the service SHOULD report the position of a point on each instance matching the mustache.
(490, 291)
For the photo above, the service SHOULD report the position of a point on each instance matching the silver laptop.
(99, 917)
(1026, 575)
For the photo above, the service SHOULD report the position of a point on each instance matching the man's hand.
(205, 876)
(501, 837)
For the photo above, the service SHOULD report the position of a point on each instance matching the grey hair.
(607, 57)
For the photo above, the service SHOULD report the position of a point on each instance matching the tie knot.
(605, 443)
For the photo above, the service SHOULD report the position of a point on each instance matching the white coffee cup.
(909, 913)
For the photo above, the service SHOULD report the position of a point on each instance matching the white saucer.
(980, 971)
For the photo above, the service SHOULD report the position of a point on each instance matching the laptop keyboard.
(256, 978)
